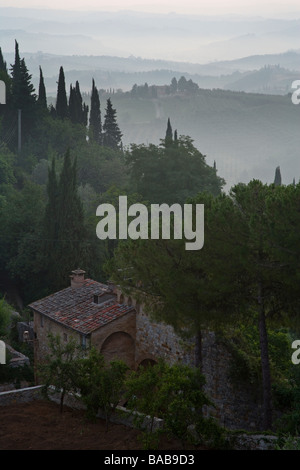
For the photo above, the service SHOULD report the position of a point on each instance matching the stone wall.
(22, 395)
(17, 358)
(235, 405)
(43, 326)
(157, 340)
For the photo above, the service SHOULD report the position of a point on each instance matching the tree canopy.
(171, 172)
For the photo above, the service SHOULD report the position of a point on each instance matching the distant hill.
(172, 36)
(288, 60)
(247, 134)
(272, 74)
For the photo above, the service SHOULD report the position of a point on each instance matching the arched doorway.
(147, 362)
(119, 345)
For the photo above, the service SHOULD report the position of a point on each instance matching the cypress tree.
(112, 134)
(3, 66)
(277, 179)
(62, 110)
(95, 116)
(64, 225)
(169, 134)
(70, 220)
(78, 111)
(42, 99)
(50, 227)
(81, 107)
(4, 76)
(50, 224)
(73, 114)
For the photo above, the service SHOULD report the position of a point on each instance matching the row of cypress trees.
(20, 95)
(109, 134)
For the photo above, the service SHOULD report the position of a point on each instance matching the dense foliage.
(65, 163)
(247, 270)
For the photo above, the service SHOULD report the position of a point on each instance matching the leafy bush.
(101, 384)
(174, 394)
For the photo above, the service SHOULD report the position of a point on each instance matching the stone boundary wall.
(25, 395)
(18, 359)
(22, 395)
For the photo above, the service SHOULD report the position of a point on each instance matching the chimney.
(111, 285)
(77, 278)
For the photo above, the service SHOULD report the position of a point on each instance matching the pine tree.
(16, 73)
(21, 97)
(42, 99)
(277, 179)
(95, 116)
(112, 134)
(62, 110)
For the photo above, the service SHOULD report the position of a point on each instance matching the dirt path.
(40, 426)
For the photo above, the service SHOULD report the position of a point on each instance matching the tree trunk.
(265, 363)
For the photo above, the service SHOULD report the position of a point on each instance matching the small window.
(83, 341)
(65, 337)
(42, 320)
(95, 299)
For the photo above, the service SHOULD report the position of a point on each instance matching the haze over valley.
(242, 115)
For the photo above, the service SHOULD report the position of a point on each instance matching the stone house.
(99, 315)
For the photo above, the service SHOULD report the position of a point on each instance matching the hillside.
(248, 135)
(245, 74)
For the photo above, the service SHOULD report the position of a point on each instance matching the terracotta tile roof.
(75, 307)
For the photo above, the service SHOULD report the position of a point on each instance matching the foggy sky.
(254, 7)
